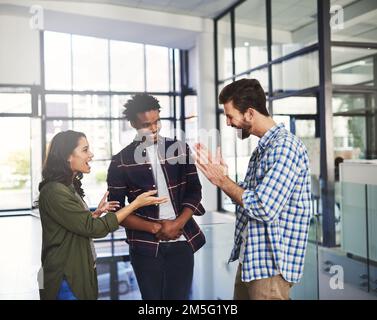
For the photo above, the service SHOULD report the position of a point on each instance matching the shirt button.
(150, 168)
(154, 186)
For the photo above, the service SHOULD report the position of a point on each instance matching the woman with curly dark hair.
(68, 226)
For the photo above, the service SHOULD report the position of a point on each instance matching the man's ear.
(133, 124)
(249, 114)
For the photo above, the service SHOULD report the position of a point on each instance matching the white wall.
(19, 51)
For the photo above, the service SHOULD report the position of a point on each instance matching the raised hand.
(215, 169)
(105, 206)
(147, 199)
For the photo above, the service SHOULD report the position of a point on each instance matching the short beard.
(244, 132)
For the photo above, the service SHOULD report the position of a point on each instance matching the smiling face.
(80, 157)
(148, 124)
(236, 119)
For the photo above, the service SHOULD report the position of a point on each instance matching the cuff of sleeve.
(112, 221)
(242, 184)
(246, 196)
(197, 210)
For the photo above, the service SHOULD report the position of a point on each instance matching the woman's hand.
(105, 206)
(147, 199)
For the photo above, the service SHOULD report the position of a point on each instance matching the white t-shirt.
(166, 209)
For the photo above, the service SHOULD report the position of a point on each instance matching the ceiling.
(305, 12)
(198, 8)
(363, 30)
(287, 15)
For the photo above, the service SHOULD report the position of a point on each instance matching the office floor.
(20, 246)
(20, 243)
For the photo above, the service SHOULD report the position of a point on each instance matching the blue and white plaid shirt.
(277, 209)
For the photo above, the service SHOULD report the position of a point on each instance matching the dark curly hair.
(245, 93)
(56, 166)
(140, 103)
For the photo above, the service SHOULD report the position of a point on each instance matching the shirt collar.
(266, 138)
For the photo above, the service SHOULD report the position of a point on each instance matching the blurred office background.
(72, 64)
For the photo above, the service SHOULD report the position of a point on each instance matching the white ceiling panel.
(198, 8)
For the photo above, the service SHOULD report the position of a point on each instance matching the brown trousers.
(273, 288)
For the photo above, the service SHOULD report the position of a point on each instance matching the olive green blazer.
(67, 229)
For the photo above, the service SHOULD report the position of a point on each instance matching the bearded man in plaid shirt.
(273, 201)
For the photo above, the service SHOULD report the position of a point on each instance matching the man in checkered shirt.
(273, 202)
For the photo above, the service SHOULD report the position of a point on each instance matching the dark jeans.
(167, 276)
(65, 292)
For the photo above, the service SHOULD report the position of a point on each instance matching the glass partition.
(294, 26)
(349, 271)
(296, 74)
(251, 35)
(224, 48)
(353, 66)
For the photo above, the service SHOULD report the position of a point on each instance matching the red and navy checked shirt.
(129, 178)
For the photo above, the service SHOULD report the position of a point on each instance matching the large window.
(15, 163)
(58, 61)
(127, 66)
(101, 84)
(158, 69)
(86, 93)
(12, 101)
(18, 136)
(90, 71)
(86, 83)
